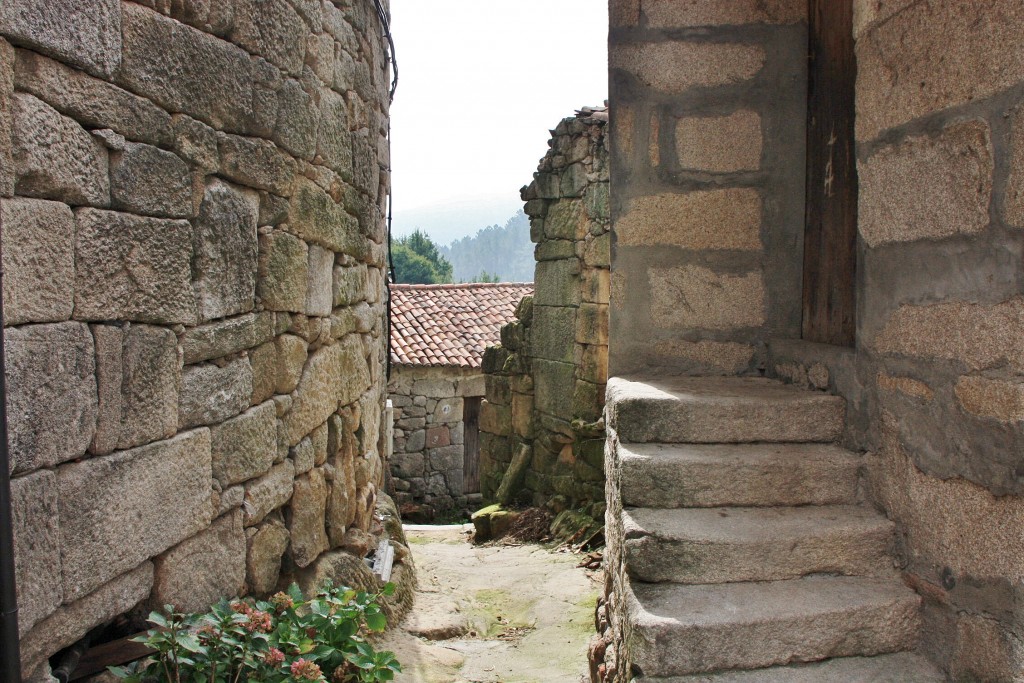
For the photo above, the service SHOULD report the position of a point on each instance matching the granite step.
(677, 629)
(720, 545)
(721, 410)
(764, 474)
(902, 667)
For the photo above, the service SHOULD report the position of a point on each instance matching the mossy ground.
(527, 613)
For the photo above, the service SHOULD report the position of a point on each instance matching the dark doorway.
(830, 227)
(471, 440)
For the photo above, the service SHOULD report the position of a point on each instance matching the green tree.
(418, 261)
(484, 276)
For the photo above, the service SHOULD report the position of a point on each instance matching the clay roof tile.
(450, 324)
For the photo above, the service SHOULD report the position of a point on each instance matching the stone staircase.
(739, 546)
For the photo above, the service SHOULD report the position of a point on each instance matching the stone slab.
(256, 163)
(51, 393)
(150, 378)
(185, 70)
(307, 524)
(38, 249)
(244, 447)
(932, 56)
(902, 667)
(693, 296)
(212, 394)
(36, 547)
(150, 181)
(85, 33)
(721, 410)
(91, 101)
(727, 544)
(674, 67)
(689, 475)
(679, 630)
(224, 337)
(162, 489)
(268, 493)
(719, 144)
(334, 376)
(68, 624)
(203, 569)
(263, 559)
(224, 238)
(283, 272)
(927, 187)
(133, 268)
(55, 158)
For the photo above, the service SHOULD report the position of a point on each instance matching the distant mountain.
(454, 220)
(505, 252)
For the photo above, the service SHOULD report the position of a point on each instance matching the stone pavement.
(495, 613)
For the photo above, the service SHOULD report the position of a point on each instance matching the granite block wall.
(191, 206)
(934, 383)
(707, 118)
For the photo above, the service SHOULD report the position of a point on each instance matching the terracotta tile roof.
(450, 324)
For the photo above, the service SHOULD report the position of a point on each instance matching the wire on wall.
(386, 27)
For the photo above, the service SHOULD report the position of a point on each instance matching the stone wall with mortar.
(541, 427)
(429, 446)
(934, 384)
(707, 118)
(191, 207)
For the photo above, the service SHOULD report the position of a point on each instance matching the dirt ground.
(494, 613)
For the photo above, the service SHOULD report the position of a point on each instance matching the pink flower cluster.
(305, 670)
(273, 657)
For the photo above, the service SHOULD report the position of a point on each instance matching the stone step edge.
(801, 620)
(709, 475)
(900, 667)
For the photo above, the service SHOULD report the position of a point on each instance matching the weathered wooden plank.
(830, 231)
(114, 653)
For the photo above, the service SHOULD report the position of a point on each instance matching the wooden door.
(830, 228)
(471, 442)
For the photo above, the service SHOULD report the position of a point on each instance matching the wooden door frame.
(830, 224)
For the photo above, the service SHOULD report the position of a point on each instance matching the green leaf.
(389, 589)
(157, 619)
(376, 622)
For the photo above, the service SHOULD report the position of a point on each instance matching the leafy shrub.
(284, 639)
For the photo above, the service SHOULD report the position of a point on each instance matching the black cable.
(10, 655)
(390, 278)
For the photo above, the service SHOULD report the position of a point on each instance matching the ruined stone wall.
(707, 117)
(934, 386)
(193, 245)
(429, 445)
(541, 426)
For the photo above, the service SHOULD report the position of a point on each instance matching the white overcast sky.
(480, 83)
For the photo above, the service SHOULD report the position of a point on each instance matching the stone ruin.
(542, 433)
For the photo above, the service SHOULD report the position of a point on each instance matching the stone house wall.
(932, 384)
(541, 427)
(707, 115)
(429, 443)
(193, 245)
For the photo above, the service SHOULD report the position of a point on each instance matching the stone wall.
(429, 438)
(541, 425)
(707, 115)
(934, 384)
(193, 247)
